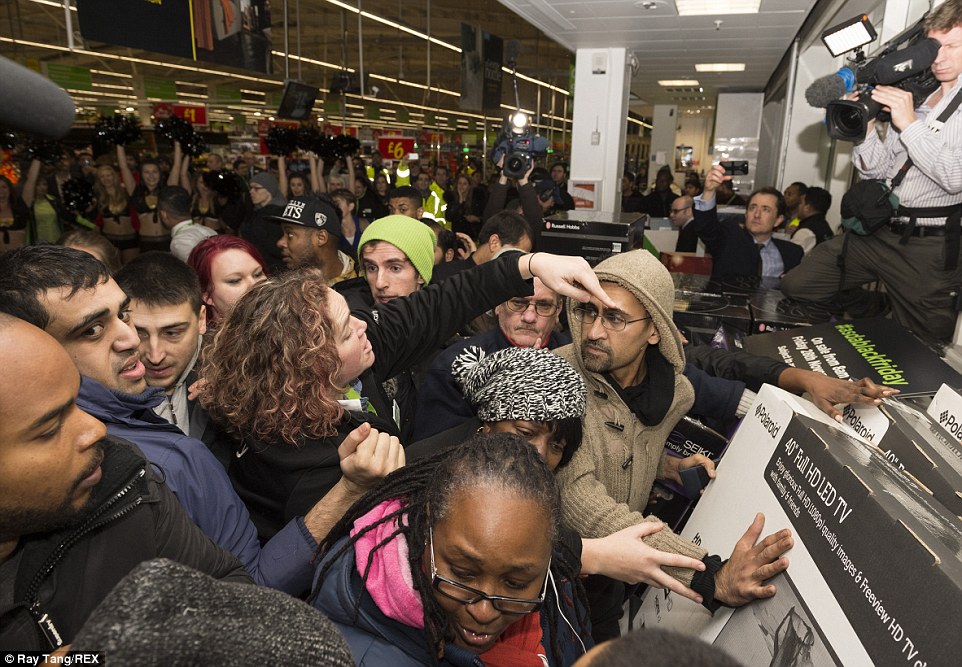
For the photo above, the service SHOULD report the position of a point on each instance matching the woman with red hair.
(227, 267)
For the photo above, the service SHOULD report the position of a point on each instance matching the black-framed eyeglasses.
(543, 308)
(467, 595)
(612, 321)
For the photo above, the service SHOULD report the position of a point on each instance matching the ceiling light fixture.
(720, 67)
(716, 7)
(678, 82)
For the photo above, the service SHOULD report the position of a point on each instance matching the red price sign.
(162, 110)
(394, 148)
(197, 115)
(337, 129)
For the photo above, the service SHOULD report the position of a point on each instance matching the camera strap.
(952, 214)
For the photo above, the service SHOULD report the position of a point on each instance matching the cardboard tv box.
(916, 445)
(876, 570)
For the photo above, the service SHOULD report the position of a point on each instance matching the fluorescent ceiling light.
(716, 7)
(720, 67)
(678, 82)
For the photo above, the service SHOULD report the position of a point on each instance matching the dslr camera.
(518, 147)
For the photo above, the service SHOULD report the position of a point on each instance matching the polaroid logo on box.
(950, 423)
(850, 417)
(767, 422)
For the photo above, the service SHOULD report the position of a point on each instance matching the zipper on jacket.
(44, 622)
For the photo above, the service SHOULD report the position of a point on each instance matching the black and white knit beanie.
(519, 383)
(165, 614)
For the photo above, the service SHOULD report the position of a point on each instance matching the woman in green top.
(45, 224)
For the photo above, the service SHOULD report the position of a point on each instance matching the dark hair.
(160, 279)
(768, 190)
(27, 273)
(499, 461)
(508, 225)
(661, 648)
(446, 240)
(407, 192)
(819, 199)
(801, 186)
(176, 201)
(571, 431)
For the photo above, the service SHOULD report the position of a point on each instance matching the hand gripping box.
(876, 571)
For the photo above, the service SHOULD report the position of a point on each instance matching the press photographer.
(911, 246)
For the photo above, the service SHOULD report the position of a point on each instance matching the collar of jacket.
(109, 405)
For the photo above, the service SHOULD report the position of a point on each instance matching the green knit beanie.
(412, 237)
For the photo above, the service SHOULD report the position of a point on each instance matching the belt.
(921, 232)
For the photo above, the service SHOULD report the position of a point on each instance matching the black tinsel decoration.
(117, 129)
(195, 145)
(225, 183)
(307, 137)
(8, 140)
(281, 140)
(345, 145)
(78, 194)
(324, 148)
(48, 151)
(174, 129)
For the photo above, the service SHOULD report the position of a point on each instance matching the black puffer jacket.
(59, 578)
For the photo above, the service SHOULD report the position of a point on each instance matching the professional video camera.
(905, 63)
(518, 146)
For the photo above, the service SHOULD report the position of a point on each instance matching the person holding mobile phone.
(744, 251)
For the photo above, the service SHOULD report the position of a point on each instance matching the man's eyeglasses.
(467, 595)
(612, 321)
(679, 210)
(543, 308)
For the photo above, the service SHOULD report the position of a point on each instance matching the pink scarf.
(389, 580)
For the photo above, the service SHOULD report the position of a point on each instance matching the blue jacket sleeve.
(203, 488)
(715, 398)
(440, 403)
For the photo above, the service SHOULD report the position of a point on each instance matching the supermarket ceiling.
(409, 49)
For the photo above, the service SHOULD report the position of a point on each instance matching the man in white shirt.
(173, 207)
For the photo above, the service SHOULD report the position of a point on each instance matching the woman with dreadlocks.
(457, 561)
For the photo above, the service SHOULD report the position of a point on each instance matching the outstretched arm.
(125, 172)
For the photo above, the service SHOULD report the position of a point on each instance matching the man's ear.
(494, 243)
(654, 338)
(202, 320)
(420, 212)
(321, 237)
(449, 255)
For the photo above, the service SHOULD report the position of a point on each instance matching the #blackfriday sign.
(878, 348)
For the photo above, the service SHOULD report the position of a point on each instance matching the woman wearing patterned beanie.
(521, 390)
(541, 397)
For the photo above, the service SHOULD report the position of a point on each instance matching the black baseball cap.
(310, 212)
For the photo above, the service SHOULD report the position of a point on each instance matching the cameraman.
(916, 256)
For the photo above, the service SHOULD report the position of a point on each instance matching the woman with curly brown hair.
(292, 370)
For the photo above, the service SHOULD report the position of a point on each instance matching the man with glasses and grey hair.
(522, 322)
(632, 360)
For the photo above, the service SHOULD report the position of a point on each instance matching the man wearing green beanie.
(397, 256)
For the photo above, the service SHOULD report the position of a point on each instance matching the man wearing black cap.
(311, 233)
